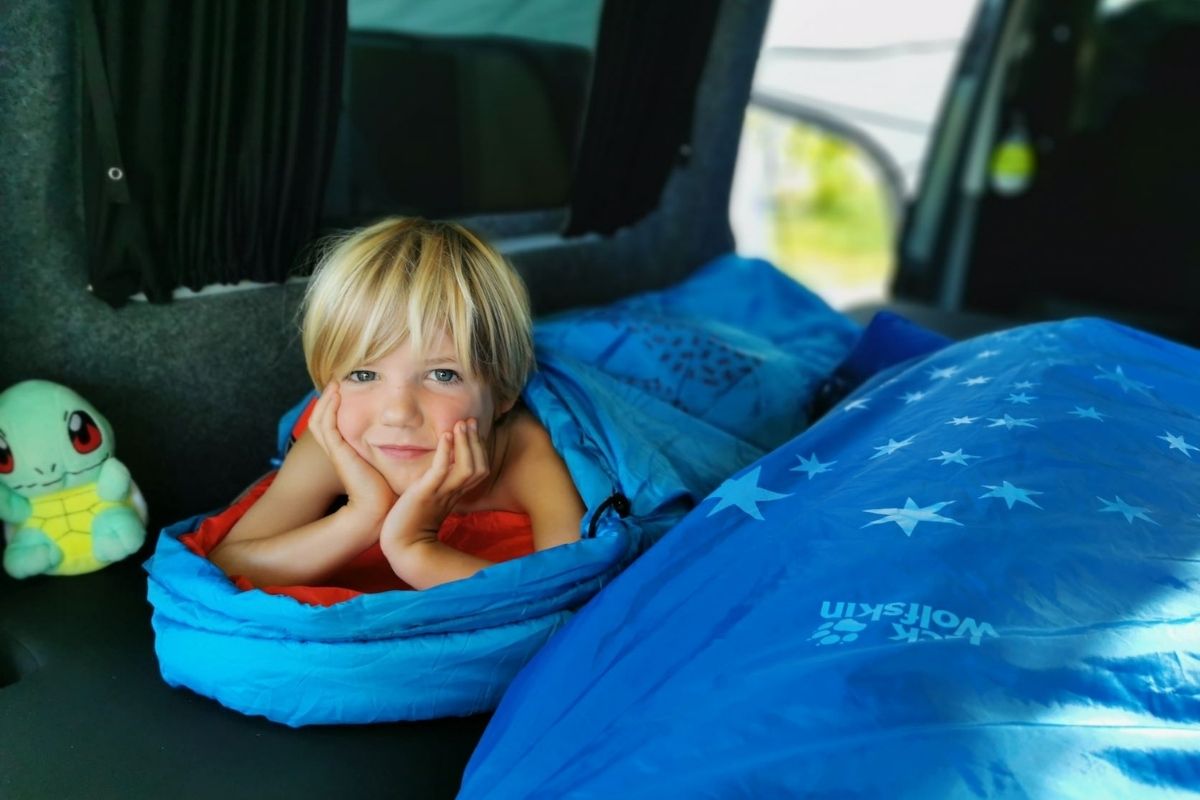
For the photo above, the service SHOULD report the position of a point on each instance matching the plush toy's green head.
(50, 439)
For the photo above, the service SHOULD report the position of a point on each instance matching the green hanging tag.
(1013, 162)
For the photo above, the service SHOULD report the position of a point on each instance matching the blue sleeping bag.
(653, 400)
(977, 576)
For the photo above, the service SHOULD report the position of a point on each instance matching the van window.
(844, 103)
(216, 149)
(460, 106)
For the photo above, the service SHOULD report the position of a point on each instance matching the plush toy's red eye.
(84, 433)
(6, 457)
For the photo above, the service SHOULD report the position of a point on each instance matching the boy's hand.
(459, 465)
(367, 491)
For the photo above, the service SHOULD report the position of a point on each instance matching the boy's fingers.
(463, 457)
(482, 467)
(345, 459)
(314, 420)
(477, 462)
(324, 416)
(436, 474)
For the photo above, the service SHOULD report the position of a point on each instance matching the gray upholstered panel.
(193, 388)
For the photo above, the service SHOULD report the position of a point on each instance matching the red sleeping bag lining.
(490, 535)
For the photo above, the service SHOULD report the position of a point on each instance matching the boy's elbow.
(224, 556)
(407, 560)
(425, 563)
(236, 560)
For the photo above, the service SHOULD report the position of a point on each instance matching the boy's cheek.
(349, 419)
(351, 433)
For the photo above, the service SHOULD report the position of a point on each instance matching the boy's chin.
(400, 480)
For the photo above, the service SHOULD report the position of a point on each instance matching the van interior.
(168, 170)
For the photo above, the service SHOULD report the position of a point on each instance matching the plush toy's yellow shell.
(66, 517)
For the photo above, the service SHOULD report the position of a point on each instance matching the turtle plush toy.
(68, 504)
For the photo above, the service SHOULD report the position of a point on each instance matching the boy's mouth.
(403, 452)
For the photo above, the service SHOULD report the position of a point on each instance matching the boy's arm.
(409, 533)
(286, 538)
(542, 485)
(427, 562)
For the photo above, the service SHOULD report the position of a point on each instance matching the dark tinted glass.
(1101, 217)
(460, 106)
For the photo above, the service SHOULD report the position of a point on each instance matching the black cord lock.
(617, 502)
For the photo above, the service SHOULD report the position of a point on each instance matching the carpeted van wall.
(194, 388)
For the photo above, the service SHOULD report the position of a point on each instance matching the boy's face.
(394, 409)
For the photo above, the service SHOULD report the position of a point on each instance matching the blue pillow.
(888, 339)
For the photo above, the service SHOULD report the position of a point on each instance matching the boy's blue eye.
(444, 375)
(361, 376)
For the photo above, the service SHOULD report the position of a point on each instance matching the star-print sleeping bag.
(977, 576)
(652, 401)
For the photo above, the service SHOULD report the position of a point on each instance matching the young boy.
(420, 334)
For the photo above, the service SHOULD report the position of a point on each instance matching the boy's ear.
(504, 406)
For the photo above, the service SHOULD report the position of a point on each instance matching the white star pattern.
(812, 465)
(944, 373)
(745, 493)
(1008, 422)
(1130, 513)
(1118, 377)
(911, 515)
(1178, 443)
(1010, 494)
(892, 446)
(957, 457)
(748, 496)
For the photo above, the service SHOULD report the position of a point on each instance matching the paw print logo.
(843, 631)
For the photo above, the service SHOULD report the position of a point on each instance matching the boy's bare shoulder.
(541, 484)
(301, 492)
(531, 454)
(527, 434)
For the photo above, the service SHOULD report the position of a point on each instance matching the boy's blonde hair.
(412, 278)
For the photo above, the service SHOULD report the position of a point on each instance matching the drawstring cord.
(617, 502)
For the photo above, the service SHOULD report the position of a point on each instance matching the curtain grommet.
(115, 173)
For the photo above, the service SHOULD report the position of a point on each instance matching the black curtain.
(649, 58)
(208, 133)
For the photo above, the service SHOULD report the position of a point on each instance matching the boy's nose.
(400, 407)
